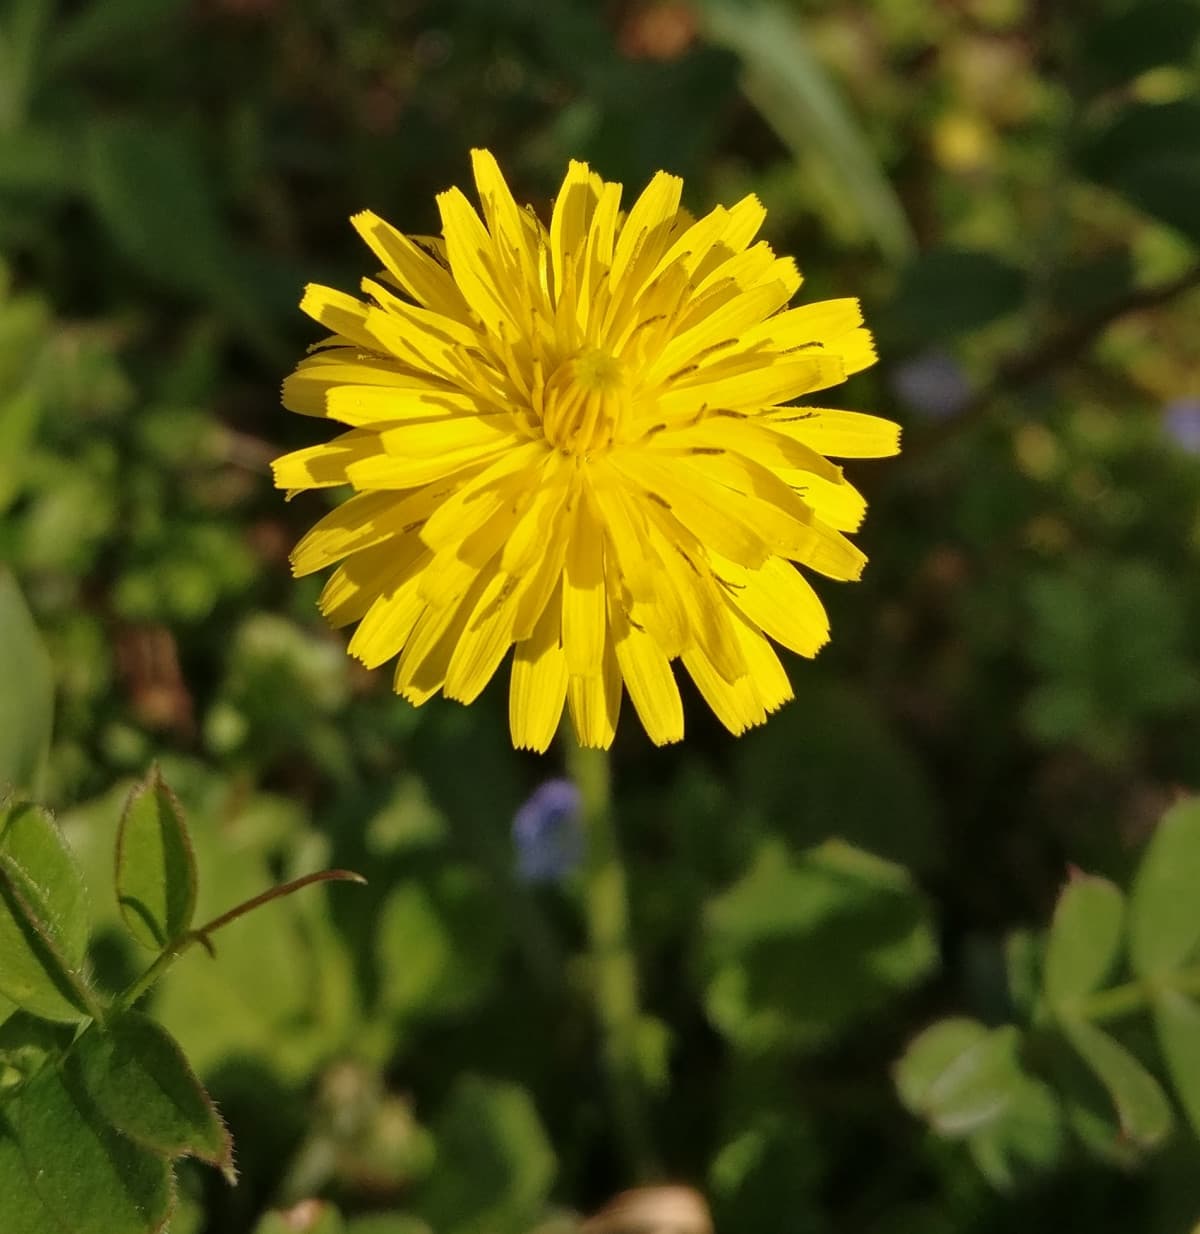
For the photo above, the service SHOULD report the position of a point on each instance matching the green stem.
(1133, 996)
(614, 973)
(136, 989)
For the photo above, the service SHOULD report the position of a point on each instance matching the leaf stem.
(1133, 996)
(614, 972)
(133, 992)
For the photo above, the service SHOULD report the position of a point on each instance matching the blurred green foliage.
(1014, 689)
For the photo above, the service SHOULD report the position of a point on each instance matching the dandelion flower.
(579, 442)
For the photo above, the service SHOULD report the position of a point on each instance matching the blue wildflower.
(548, 834)
(1181, 423)
(932, 384)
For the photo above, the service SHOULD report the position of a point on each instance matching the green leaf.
(140, 1080)
(22, 34)
(154, 200)
(38, 160)
(494, 1166)
(1141, 1105)
(1085, 938)
(27, 1044)
(1164, 910)
(853, 925)
(1125, 44)
(1150, 155)
(950, 291)
(392, 1223)
(1029, 1139)
(156, 868)
(107, 26)
(63, 1169)
(27, 699)
(1177, 1023)
(43, 918)
(788, 84)
(307, 1217)
(959, 1076)
(151, 193)
(438, 944)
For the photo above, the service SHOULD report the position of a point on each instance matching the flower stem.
(614, 973)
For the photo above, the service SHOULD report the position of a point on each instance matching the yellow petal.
(421, 669)
(538, 687)
(646, 231)
(483, 642)
(708, 623)
(779, 600)
(354, 586)
(514, 473)
(469, 249)
(616, 505)
(807, 324)
(326, 465)
(595, 704)
(729, 322)
(841, 505)
(383, 470)
(648, 678)
(361, 521)
(381, 405)
(839, 434)
(542, 519)
(418, 273)
(767, 676)
(504, 219)
(753, 389)
(584, 616)
(390, 620)
(695, 501)
(570, 221)
(734, 703)
(753, 437)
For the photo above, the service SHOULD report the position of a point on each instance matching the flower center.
(585, 404)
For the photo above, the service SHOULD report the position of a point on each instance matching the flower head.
(578, 441)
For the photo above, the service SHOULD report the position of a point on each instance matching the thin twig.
(1027, 367)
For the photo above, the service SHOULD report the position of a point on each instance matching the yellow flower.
(578, 441)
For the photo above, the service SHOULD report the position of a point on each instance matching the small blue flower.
(932, 384)
(1181, 423)
(548, 834)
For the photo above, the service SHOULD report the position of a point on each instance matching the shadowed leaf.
(141, 1082)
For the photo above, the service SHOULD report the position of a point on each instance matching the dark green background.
(1012, 690)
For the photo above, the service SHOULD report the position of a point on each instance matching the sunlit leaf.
(1164, 909)
(1177, 1023)
(959, 1076)
(156, 869)
(43, 917)
(27, 696)
(1141, 1105)
(797, 97)
(1085, 938)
